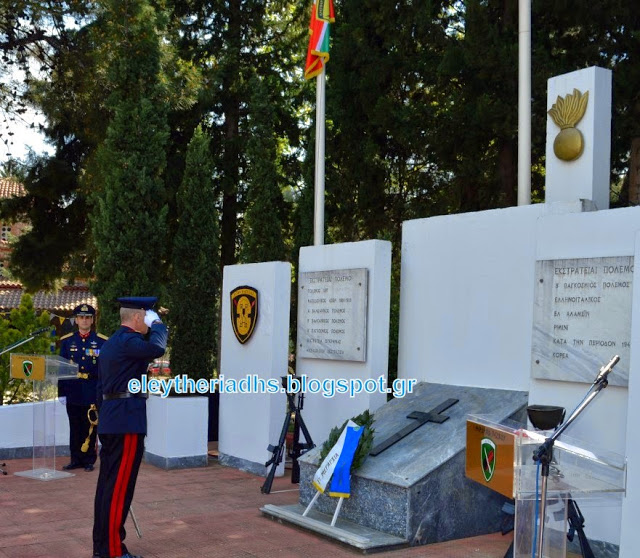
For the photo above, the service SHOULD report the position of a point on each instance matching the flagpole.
(318, 209)
(524, 103)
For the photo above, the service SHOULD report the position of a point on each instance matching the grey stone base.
(27, 452)
(344, 531)
(188, 462)
(416, 489)
(243, 464)
(438, 508)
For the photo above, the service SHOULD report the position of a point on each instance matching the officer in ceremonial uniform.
(82, 347)
(122, 424)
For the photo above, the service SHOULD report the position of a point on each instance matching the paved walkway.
(207, 512)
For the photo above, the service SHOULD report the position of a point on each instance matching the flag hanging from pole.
(318, 51)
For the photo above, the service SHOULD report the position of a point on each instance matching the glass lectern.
(500, 456)
(43, 371)
(577, 474)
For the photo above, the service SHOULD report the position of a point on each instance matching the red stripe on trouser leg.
(117, 499)
(125, 488)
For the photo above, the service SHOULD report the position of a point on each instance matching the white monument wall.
(588, 235)
(591, 235)
(249, 422)
(466, 315)
(465, 298)
(321, 414)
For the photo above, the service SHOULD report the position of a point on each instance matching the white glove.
(63, 400)
(150, 317)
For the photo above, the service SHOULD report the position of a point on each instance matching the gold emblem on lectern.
(244, 312)
(566, 113)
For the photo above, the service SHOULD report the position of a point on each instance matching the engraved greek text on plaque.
(332, 314)
(582, 318)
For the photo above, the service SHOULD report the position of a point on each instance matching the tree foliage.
(31, 31)
(421, 120)
(129, 219)
(233, 43)
(195, 277)
(264, 219)
(49, 70)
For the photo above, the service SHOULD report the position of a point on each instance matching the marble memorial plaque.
(332, 314)
(582, 318)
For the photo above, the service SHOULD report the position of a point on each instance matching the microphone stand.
(28, 338)
(544, 454)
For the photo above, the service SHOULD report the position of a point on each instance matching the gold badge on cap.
(244, 312)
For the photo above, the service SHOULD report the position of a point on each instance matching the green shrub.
(21, 323)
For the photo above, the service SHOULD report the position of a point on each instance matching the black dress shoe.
(88, 468)
(71, 465)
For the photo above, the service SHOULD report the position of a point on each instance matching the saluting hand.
(150, 317)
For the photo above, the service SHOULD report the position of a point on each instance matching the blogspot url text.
(253, 383)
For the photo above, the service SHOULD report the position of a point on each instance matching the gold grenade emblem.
(566, 113)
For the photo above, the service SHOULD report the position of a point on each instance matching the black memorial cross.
(420, 418)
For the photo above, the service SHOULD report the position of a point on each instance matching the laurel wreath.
(364, 445)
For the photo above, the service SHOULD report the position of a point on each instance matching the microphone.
(605, 370)
(39, 331)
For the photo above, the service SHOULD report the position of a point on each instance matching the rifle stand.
(293, 412)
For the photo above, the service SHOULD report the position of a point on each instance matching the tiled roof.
(62, 301)
(10, 187)
(10, 295)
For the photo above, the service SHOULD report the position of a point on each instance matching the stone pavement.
(206, 512)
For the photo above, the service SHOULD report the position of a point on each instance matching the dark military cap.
(84, 310)
(138, 302)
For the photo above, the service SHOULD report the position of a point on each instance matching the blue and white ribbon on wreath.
(336, 466)
(341, 481)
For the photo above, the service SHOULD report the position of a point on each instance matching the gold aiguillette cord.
(92, 422)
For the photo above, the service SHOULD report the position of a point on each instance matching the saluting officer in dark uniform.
(82, 347)
(122, 425)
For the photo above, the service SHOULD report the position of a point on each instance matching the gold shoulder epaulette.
(102, 336)
(66, 336)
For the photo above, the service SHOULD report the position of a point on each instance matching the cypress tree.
(129, 221)
(196, 263)
(263, 237)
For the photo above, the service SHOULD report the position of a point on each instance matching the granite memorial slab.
(416, 489)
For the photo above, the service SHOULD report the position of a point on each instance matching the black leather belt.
(123, 395)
